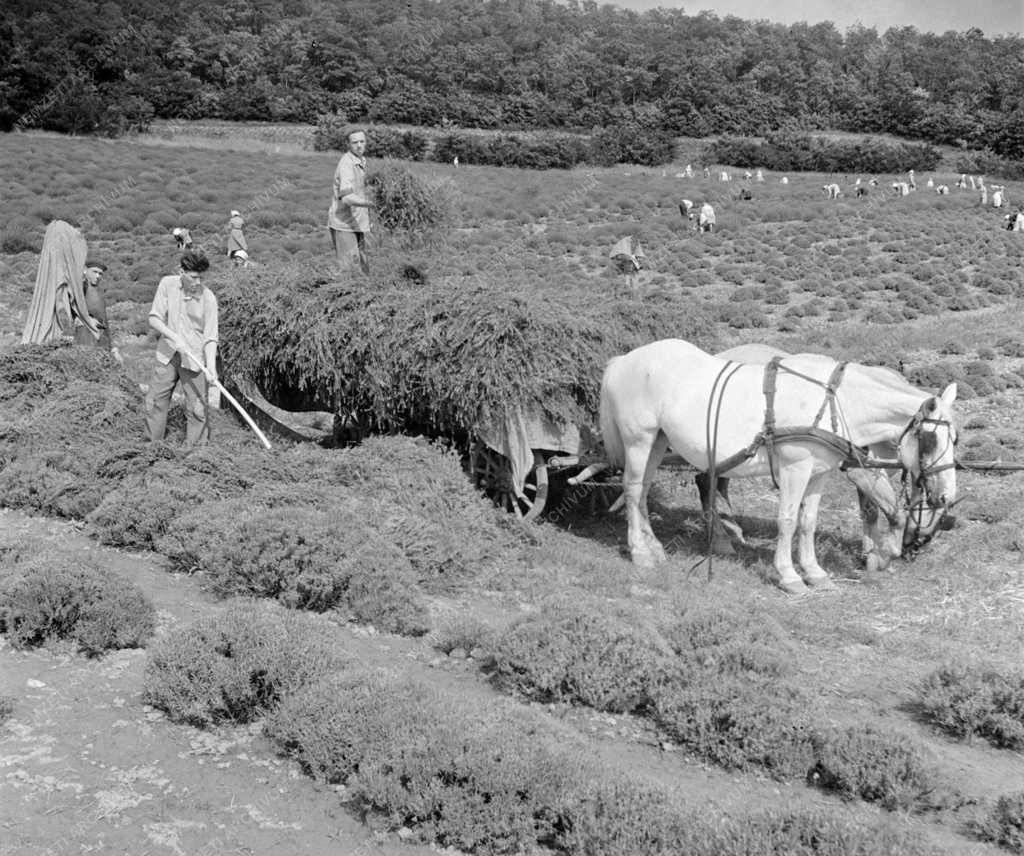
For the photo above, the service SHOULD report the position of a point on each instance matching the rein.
(711, 439)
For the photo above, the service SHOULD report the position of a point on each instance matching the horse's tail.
(614, 448)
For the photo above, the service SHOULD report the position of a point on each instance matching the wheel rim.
(492, 473)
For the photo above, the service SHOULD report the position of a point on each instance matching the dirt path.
(86, 767)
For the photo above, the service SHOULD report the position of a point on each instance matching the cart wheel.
(492, 473)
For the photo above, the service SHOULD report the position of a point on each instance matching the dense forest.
(83, 66)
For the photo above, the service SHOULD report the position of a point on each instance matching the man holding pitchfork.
(184, 313)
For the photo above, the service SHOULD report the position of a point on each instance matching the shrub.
(1010, 346)
(623, 816)
(990, 164)
(967, 700)
(392, 143)
(307, 557)
(143, 506)
(783, 150)
(16, 239)
(729, 641)
(739, 723)
(862, 762)
(7, 704)
(442, 524)
(66, 429)
(463, 632)
(631, 142)
(1004, 823)
(54, 596)
(481, 777)
(238, 665)
(578, 652)
(743, 315)
(935, 375)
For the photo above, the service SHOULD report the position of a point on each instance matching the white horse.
(672, 393)
(884, 514)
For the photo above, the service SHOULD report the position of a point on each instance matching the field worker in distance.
(1017, 220)
(182, 238)
(96, 305)
(627, 255)
(706, 221)
(236, 237)
(184, 313)
(241, 259)
(349, 216)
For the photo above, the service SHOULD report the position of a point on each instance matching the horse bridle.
(918, 487)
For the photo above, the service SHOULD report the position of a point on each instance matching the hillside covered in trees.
(81, 66)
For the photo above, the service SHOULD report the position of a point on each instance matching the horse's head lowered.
(926, 452)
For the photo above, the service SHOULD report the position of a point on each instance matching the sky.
(992, 17)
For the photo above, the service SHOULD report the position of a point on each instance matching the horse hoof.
(825, 583)
(794, 587)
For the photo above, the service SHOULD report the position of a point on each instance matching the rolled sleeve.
(344, 178)
(159, 308)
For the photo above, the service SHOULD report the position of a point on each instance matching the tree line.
(88, 66)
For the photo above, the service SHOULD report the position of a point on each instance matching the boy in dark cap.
(96, 305)
(184, 313)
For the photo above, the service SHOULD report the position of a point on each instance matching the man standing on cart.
(349, 216)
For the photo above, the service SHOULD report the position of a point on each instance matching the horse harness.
(771, 434)
(853, 456)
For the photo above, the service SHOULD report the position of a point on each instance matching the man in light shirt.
(184, 313)
(349, 216)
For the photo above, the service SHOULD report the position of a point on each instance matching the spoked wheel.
(492, 473)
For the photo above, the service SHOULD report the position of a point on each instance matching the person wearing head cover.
(58, 301)
(236, 237)
(627, 256)
(184, 314)
(182, 237)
